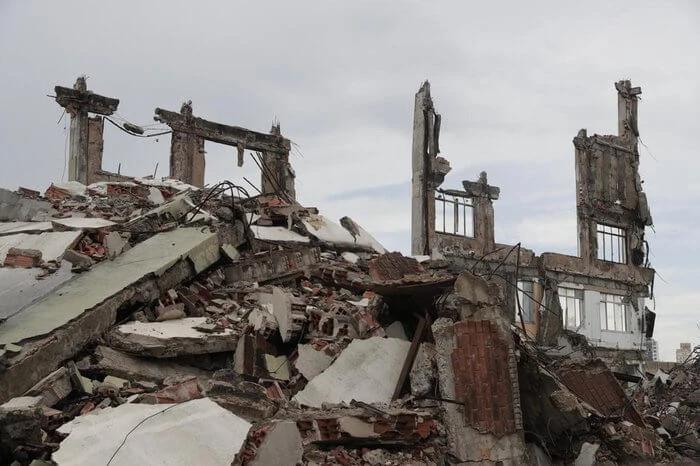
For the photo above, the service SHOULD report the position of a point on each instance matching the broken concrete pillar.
(85, 136)
(429, 170)
(277, 175)
(482, 196)
(187, 152)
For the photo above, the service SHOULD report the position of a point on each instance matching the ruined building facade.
(88, 110)
(600, 293)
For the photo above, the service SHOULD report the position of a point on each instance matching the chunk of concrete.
(53, 388)
(52, 245)
(15, 207)
(311, 362)
(21, 403)
(195, 432)
(281, 446)
(133, 368)
(155, 255)
(424, 371)
(587, 455)
(367, 370)
(286, 309)
(81, 223)
(170, 338)
(114, 243)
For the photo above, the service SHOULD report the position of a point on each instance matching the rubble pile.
(670, 402)
(152, 319)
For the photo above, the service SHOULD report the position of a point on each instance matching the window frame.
(575, 295)
(527, 303)
(462, 214)
(614, 238)
(614, 302)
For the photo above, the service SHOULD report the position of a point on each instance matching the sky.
(514, 82)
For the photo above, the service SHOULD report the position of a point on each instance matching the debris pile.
(210, 326)
(670, 402)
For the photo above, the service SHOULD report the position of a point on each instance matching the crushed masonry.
(162, 321)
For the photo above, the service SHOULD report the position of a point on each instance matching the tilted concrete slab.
(277, 234)
(81, 223)
(367, 370)
(21, 288)
(113, 362)
(153, 256)
(10, 228)
(195, 432)
(51, 244)
(170, 338)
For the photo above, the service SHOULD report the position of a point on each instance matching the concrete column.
(187, 152)
(627, 110)
(77, 147)
(421, 197)
(187, 158)
(95, 148)
(482, 195)
(277, 166)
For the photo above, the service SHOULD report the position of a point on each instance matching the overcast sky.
(514, 82)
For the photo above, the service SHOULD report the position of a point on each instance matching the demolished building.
(163, 321)
(601, 292)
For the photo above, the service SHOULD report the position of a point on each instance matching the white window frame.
(612, 243)
(613, 313)
(571, 301)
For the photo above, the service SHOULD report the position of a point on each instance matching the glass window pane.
(603, 319)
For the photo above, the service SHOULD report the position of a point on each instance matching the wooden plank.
(410, 357)
(223, 134)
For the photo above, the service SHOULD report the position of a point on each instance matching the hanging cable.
(136, 134)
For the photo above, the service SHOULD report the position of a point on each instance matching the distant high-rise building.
(652, 350)
(683, 352)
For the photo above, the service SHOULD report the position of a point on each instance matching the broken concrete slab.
(331, 233)
(52, 245)
(21, 403)
(53, 388)
(246, 399)
(155, 255)
(10, 228)
(277, 234)
(280, 446)
(195, 432)
(81, 223)
(170, 338)
(70, 328)
(272, 265)
(362, 236)
(311, 362)
(367, 370)
(185, 390)
(114, 362)
(15, 207)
